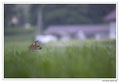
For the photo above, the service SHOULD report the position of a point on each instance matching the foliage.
(18, 34)
(59, 14)
(84, 59)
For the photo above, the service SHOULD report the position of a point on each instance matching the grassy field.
(70, 59)
(87, 59)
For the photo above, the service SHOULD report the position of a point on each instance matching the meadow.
(69, 59)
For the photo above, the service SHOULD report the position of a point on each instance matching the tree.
(9, 12)
(39, 20)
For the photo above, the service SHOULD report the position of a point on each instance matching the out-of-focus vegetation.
(85, 59)
(19, 34)
(57, 14)
(74, 58)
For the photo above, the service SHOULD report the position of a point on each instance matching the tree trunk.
(39, 21)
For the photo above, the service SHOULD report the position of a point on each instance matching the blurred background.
(48, 23)
(78, 41)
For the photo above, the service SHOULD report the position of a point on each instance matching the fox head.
(35, 45)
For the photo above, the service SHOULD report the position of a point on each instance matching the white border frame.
(66, 2)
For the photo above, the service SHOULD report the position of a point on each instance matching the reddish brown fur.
(34, 46)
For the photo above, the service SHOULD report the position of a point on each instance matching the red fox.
(35, 45)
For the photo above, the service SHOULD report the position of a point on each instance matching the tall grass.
(80, 59)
